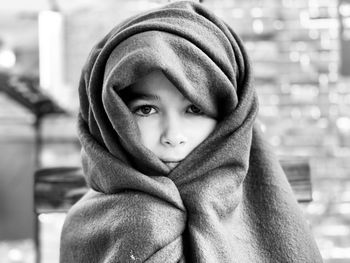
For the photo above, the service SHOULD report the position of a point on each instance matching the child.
(178, 170)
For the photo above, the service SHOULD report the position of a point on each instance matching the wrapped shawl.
(227, 201)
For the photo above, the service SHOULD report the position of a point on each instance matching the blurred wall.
(17, 162)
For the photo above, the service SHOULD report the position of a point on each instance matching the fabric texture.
(228, 201)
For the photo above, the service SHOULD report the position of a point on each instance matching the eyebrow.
(140, 95)
(129, 96)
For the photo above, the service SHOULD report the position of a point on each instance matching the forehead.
(154, 86)
(153, 82)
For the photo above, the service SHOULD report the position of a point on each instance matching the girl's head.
(170, 125)
(164, 87)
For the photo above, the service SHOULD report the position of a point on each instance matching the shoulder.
(120, 226)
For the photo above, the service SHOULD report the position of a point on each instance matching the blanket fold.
(227, 201)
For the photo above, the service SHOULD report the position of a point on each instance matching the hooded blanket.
(227, 201)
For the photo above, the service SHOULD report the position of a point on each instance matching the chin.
(171, 165)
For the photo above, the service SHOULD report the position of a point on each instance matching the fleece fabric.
(227, 201)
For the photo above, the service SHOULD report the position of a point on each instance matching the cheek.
(149, 131)
(200, 129)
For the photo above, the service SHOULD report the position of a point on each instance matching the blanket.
(227, 201)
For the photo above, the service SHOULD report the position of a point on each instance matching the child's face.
(170, 125)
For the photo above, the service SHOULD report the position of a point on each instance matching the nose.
(172, 135)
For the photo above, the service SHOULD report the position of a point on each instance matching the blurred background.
(301, 55)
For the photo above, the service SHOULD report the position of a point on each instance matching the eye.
(194, 110)
(144, 110)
